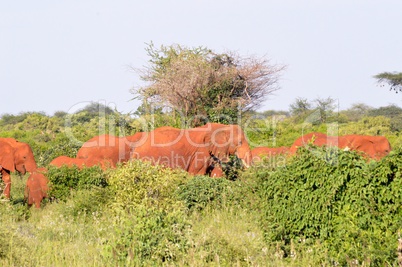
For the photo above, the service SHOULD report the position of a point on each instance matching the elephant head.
(23, 158)
(227, 140)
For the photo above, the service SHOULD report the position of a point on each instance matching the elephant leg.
(5, 175)
(37, 202)
(35, 196)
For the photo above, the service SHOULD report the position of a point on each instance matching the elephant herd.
(373, 147)
(199, 151)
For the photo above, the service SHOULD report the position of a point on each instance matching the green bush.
(338, 198)
(202, 191)
(139, 183)
(61, 146)
(150, 223)
(379, 125)
(63, 180)
(86, 201)
(149, 238)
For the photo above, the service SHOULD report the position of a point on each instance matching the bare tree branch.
(197, 80)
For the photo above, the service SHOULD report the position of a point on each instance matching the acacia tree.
(325, 106)
(357, 111)
(394, 80)
(300, 107)
(197, 82)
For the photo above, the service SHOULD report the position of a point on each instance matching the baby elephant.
(36, 188)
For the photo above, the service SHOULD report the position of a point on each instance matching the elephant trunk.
(30, 166)
(244, 154)
(21, 169)
(246, 160)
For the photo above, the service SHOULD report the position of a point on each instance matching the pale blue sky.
(59, 55)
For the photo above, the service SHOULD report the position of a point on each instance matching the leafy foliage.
(140, 183)
(351, 205)
(151, 222)
(357, 111)
(322, 208)
(300, 106)
(198, 84)
(394, 80)
(64, 180)
(202, 191)
(367, 126)
(393, 112)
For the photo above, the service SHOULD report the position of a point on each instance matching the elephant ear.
(7, 157)
(217, 140)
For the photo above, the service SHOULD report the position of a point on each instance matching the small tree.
(391, 111)
(357, 111)
(394, 80)
(325, 106)
(300, 107)
(197, 82)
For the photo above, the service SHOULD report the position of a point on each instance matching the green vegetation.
(393, 79)
(63, 180)
(324, 207)
(197, 84)
(351, 206)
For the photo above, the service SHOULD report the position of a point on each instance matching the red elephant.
(14, 156)
(103, 150)
(374, 147)
(267, 152)
(216, 172)
(191, 149)
(67, 161)
(108, 149)
(36, 188)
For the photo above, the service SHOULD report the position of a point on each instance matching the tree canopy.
(199, 83)
(394, 80)
(303, 109)
(300, 106)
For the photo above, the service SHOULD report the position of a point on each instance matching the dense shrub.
(61, 146)
(151, 224)
(202, 191)
(86, 201)
(337, 197)
(63, 180)
(139, 183)
(367, 126)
